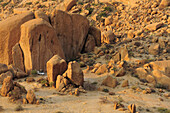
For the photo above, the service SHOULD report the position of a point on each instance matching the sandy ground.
(90, 102)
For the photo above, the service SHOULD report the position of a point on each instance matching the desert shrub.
(108, 9)
(28, 3)
(81, 3)
(90, 10)
(94, 83)
(105, 90)
(51, 84)
(102, 14)
(34, 72)
(4, 4)
(163, 110)
(158, 85)
(90, 62)
(82, 64)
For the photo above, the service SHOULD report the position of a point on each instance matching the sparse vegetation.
(4, 4)
(108, 9)
(94, 83)
(158, 85)
(28, 3)
(34, 72)
(134, 87)
(44, 82)
(163, 110)
(90, 62)
(51, 84)
(102, 14)
(90, 10)
(105, 90)
(80, 3)
(82, 64)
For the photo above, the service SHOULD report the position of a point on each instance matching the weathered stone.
(110, 82)
(74, 73)
(10, 35)
(102, 69)
(20, 10)
(39, 43)
(141, 72)
(108, 20)
(108, 37)
(97, 50)
(161, 78)
(3, 68)
(132, 108)
(167, 71)
(22, 88)
(97, 65)
(17, 57)
(160, 65)
(164, 3)
(154, 26)
(30, 79)
(25, 101)
(69, 4)
(60, 83)
(120, 73)
(150, 79)
(154, 49)
(124, 83)
(55, 66)
(66, 5)
(89, 44)
(40, 14)
(4, 75)
(7, 86)
(17, 72)
(131, 34)
(96, 33)
(71, 30)
(15, 94)
(116, 57)
(31, 98)
(162, 42)
(124, 53)
(77, 92)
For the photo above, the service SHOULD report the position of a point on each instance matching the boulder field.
(28, 40)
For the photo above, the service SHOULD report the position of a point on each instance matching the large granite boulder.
(71, 30)
(10, 35)
(39, 43)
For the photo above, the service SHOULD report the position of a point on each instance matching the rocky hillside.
(113, 54)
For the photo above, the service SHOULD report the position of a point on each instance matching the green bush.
(34, 72)
(108, 9)
(102, 14)
(4, 4)
(51, 84)
(90, 10)
(105, 90)
(163, 110)
(28, 3)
